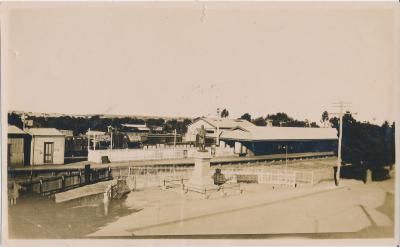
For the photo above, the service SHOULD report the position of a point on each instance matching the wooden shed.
(17, 147)
(47, 146)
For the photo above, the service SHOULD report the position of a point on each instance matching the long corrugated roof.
(260, 133)
(15, 130)
(44, 132)
(227, 123)
(137, 126)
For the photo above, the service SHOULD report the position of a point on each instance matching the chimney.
(269, 123)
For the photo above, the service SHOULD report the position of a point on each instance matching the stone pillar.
(368, 176)
(201, 178)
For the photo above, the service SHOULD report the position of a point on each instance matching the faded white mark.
(203, 13)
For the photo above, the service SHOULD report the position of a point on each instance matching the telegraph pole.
(174, 138)
(286, 147)
(217, 137)
(110, 129)
(23, 118)
(342, 106)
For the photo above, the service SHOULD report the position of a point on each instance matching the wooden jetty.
(113, 189)
(88, 190)
(51, 184)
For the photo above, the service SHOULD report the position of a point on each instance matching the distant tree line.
(279, 119)
(80, 125)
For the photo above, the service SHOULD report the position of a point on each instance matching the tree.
(225, 113)
(366, 143)
(15, 119)
(246, 116)
(325, 118)
(280, 119)
(260, 121)
(155, 122)
(180, 126)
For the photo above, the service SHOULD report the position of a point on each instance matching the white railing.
(167, 153)
(282, 175)
(260, 172)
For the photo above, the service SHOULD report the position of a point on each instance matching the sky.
(188, 59)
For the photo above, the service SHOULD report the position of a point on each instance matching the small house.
(47, 146)
(17, 147)
(135, 133)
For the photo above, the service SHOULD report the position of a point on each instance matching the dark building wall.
(162, 139)
(279, 147)
(75, 146)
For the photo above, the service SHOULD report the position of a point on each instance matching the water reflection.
(39, 217)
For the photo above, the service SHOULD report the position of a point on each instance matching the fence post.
(312, 177)
(87, 174)
(40, 186)
(62, 182)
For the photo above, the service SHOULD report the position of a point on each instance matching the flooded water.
(38, 217)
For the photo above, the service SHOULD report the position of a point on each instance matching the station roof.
(15, 130)
(261, 133)
(227, 123)
(44, 132)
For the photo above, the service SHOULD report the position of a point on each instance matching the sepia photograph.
(191, 121)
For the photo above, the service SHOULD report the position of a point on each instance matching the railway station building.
(260, 140)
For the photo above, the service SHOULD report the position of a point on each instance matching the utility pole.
(110, 128)
(88, 139)
(174, 138)
(342, 106)
(218, 119)
(23, 119)
(286, 147)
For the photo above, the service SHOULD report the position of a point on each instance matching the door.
(9, 154)
(48, 152)
(15, 152)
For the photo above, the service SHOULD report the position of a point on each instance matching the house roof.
(134, 137)
(158, 128)
(261, 133)
(15, 130)
(68, 133)
(137, 126)
(227, 123)
(44, 132)
(95, 132)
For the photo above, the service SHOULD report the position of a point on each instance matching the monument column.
(201, 179)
